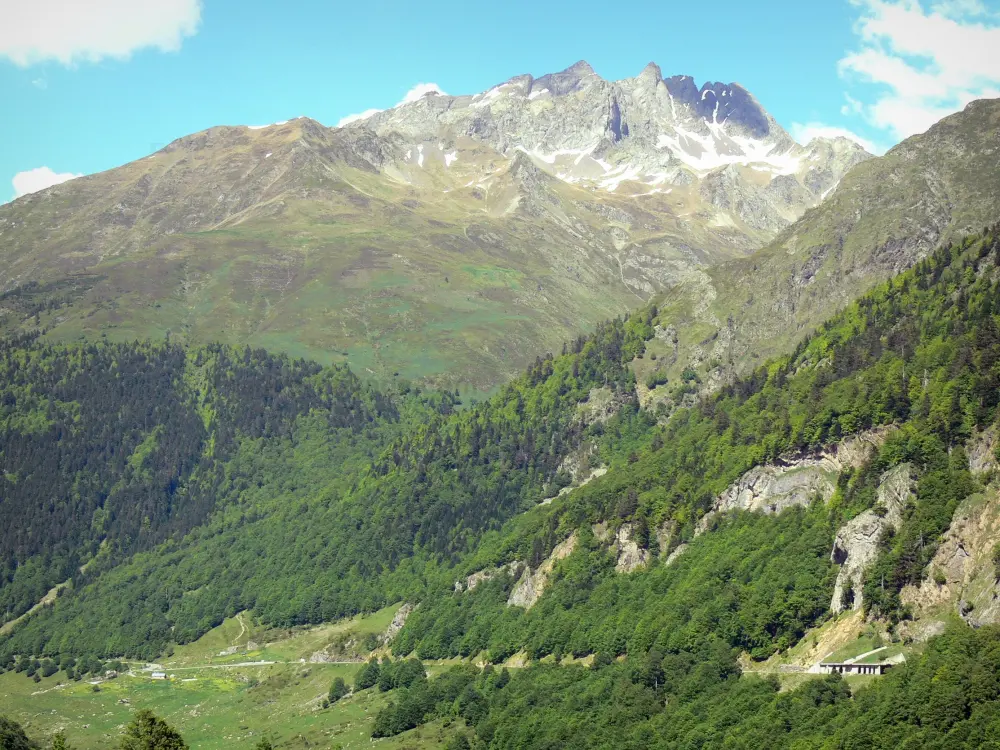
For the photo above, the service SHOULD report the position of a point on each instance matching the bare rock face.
(772, 489)
(962, 576)
(681, 549)
(665, 535)
(649, 131)
(532, 583)
(981, 451)
(398, 621)
(795, 480)
(856, 544)
(481, 576)
(630, 555)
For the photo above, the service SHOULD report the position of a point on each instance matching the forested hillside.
(329, 498)
(922, 353)
(947, 698)
(110, 449)
(308, 524)
(320, 497)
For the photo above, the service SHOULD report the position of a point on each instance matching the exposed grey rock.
(681, 549)
(963, 568)
(647, 129)
(981, 451)
(856, 544)
(795, 480)
(665, 535)
(532, 583)
(631, 556)
(398, 621)
(480, 576)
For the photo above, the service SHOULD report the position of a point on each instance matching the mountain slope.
(884, 216)
(443, 240)
(449, 495)
(475, 495)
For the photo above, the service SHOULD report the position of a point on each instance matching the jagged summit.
(574, 78)
(647, 134)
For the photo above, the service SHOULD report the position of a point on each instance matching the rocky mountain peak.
(652, 73)
(576, 77)
(645, 135)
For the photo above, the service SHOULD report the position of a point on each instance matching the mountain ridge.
(436, 257)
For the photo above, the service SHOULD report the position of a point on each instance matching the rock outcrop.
(796, 480)
(631, 556)
(398, 621)
(533, 582)
(481, 576)
(680, 550)
(981, 449)
(962, 575)
(665, 533)
(856, 544)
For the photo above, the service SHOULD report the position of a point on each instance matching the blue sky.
(89, 88)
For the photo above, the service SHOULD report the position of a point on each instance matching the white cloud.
(414, 94)
(418, 92)
(38, 179)
(803, 133)
(926, 63)
(71, 31)
(852, 107)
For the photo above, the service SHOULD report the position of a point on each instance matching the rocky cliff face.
(481, 576)
(962, 577)
(533, 582)
(629, 555)
(797, 480)
(644, 135)
(982, 451)
(856, 544)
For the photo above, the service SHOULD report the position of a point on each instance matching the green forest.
(171, 488)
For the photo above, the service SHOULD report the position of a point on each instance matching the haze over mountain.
(449, 239)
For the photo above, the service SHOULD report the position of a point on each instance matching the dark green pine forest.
(166, 488)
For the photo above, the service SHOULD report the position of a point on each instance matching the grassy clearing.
(219, 708)
(217, 703)
(280, 645)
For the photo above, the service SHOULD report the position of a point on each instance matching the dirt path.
(243, 629)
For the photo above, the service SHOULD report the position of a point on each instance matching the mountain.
(448, 240)
(646, 135)
(885, 215)
(571, 568)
